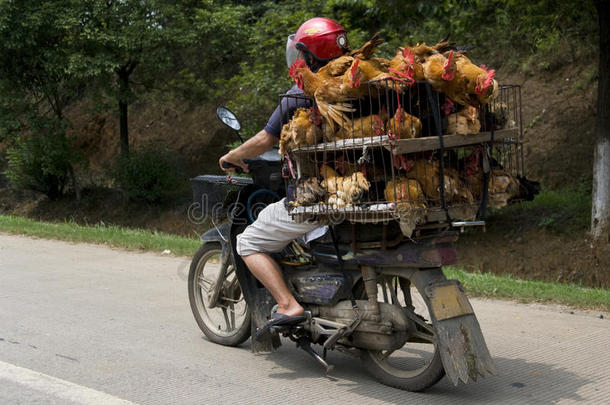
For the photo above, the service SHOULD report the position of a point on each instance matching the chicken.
(411, 203)
(421, 51)
(404, 125)
(336, 67)
(405, 190)
(428, 174)
(363, 71)
(363, 127)
(404, 64)
(456, 87)
(300, 131)
(464, 122)
(309, 192)
(502, 187)
(343, 191)
(479, 84)
(326, 89)
(438, 70)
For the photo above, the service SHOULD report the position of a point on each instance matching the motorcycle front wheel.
(228, 322)
(417, 365)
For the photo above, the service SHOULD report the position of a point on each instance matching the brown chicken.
(361, 72)
(405, 190)
(326, 89)
(421, 51)
(343, 191)
(502, 187)
(362, 127)
(411, 203)
(438, 71)
(479, 84)
(405, 64)
(464, 122)
(428, 174)
(404, 125)
(300, 131)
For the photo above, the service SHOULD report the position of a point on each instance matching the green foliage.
(42, 160)
(149, 173)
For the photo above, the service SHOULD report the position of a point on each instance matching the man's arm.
(257, 145)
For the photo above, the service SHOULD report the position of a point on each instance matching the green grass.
(562, 212)
(477, 284)
(489, 285)
(111, 235)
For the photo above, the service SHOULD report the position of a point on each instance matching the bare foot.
(294, 309)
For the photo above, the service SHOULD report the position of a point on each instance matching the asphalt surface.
(89, 324)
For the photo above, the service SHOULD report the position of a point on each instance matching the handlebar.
(227, 165)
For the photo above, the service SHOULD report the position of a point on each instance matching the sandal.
(278, 319)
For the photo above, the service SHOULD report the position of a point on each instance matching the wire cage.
(407, 154)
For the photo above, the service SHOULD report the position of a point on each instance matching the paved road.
(88, 324)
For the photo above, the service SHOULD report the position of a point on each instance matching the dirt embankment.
(559, 123)
(193, 134)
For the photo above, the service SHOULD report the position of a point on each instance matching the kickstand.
(305, 344)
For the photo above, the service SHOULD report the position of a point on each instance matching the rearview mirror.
(228, 118)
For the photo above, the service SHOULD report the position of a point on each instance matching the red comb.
(447, 74)
(408, 54)
(299, 63)
(449, 58)
(489, 78)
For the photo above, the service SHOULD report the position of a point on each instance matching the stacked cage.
(404, 154)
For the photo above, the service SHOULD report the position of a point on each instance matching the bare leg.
(266, 270)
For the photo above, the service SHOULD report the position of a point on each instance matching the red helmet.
(321, 38)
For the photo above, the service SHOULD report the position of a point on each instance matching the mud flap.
(459, 337)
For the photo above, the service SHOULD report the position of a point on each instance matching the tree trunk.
(600, 215)
(123, 96)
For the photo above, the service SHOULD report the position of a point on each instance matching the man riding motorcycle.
(317, 41)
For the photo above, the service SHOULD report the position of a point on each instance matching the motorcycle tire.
(408, 380)
(203, 315)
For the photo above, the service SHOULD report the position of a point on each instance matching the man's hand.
(229, 158)
(258, 144)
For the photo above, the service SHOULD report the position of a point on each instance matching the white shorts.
(272, 231)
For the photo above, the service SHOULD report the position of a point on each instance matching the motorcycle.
(369, 294)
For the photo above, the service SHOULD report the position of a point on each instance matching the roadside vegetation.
(100, 233)
(476, 284)
(562, 212)
(509, 287)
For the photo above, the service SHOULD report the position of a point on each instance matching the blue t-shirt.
(285, 110)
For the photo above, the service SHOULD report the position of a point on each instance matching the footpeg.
(305, 344)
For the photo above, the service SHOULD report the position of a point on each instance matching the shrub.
(149, 173)
(42, 160)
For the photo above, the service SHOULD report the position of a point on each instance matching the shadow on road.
(517, 381)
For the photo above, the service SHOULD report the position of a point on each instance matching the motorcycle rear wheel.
(417, 365)
(228, 323)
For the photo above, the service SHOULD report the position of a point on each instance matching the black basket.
(214, 193)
